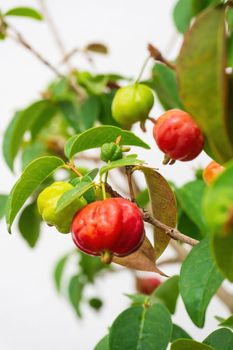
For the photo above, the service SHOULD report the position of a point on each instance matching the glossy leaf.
(164, 83)
(218, 205)
(220, 339)
(178, 332)
(168, 292)
(59, 270)
(29, 224)
(201, 75)
(143, 259)
(163, 203)
(96, 137)
(103, 344)
(24, 12)
(127, 161)
(141, 328)
(34, 174)
(3, 203)
(70, 196)
(182, 15)
(190, 198)
(14, 134)
(188, 344)
(199, 281)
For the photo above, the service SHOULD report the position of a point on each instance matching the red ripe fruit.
(147, 285)
(113, 226)
(178, 136)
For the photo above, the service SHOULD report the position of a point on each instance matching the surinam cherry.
(212, 170)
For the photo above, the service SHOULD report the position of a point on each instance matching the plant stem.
(156, 54)
(73, 168)
(147, 217)
(142, 69)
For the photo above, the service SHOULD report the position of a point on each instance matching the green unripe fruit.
(132, 104)
(47, 202)
(110, 151)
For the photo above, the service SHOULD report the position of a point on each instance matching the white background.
(32, 315)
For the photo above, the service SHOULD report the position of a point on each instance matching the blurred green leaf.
(31, 152)
(71, 113)
(29, 224)
(105, 115)
(143, 198)
(96, 137)
(141, 328)
(168, 293)
(198, 285)
(188, 227)
(24, 12)
(75, 293)
(178, 332)
(33, 175)
(201, 77)
(164, 83)
(218, 206)
(90, 110)
(220, 339)
(91, 266)
(59, 270)
(200, 5)
(227, 322)
(3, 203)
(182, 15)
(190, 198)
(96, 303)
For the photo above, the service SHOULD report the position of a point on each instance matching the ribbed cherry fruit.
(147, 285)
(178, 136)
(211, 171)
(110, 227)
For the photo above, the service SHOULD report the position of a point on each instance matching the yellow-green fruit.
(47, 202)
(132, 104)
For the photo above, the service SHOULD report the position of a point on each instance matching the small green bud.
(110, 151)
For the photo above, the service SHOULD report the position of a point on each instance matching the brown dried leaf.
(97, 48)
(143, 259)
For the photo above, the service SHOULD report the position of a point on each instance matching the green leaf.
(127, 161)
(165, 85)
(200, 5)
(91, 266)
(15, 131)
(96, 303)
(182, 15)
(217, 206)
(105, 116)
(143, 198)
(163, 203)
(59, 270)
(227, 322)
(168, 292)
(3, 204)
(71, 114)
(42, 118)
(24, 12)
(190, 199)
(96, 137)
(199, 281)
(188, 344)
(90, 110)
(34, 174)
(103, 344)
(141, 328)
(220, 339)
(201, 75)
(33, 151)
(178, 332)
(75, 293)
(70, 196)
(29, 224)
(188, 227)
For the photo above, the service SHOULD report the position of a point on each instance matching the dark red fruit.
(112, 226)
(147, 285)
(178, 136)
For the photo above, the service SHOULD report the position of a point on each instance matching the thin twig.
(156, 54)
(130, 184)
(147, 217)
(22, 41)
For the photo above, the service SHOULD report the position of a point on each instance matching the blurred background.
(32, 315)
